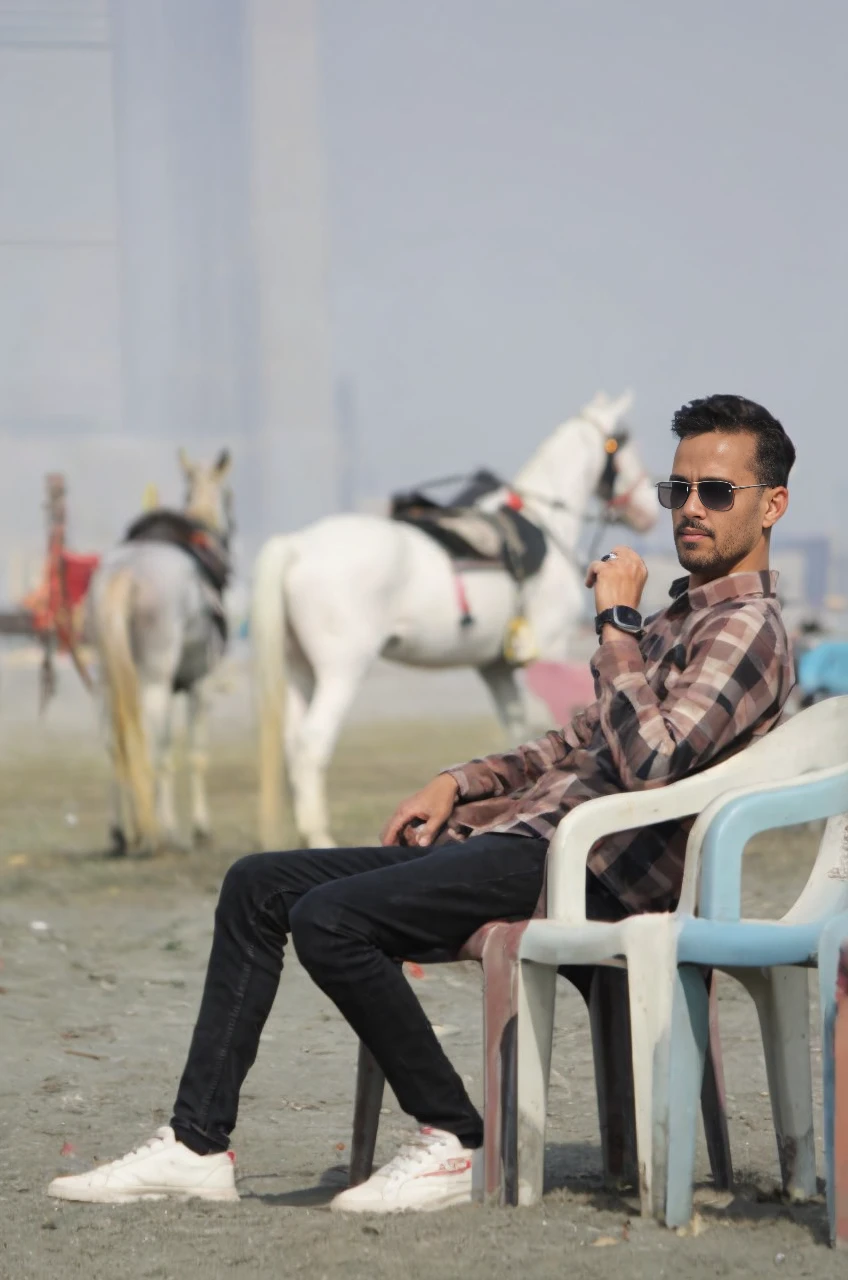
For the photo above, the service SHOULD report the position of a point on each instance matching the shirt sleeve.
(733, 679)
(500, 775)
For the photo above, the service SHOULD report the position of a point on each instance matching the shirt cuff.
(618, 657)
(457, 772)
(474, 780)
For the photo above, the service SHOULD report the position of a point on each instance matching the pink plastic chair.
(605, 991)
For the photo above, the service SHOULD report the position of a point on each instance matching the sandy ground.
(102, 965)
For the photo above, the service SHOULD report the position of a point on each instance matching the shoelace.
(414, 1152)
(158, 1139)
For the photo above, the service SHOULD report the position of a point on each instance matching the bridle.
(613, 506)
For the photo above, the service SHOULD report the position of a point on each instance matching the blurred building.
(163, 259)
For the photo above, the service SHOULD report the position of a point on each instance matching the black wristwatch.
(620, 616)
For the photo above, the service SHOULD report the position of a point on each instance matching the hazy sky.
(531, 199)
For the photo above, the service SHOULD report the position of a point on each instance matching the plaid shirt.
(710, 673)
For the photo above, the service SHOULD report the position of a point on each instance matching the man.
(697, 681)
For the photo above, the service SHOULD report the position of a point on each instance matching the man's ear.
(776, 508)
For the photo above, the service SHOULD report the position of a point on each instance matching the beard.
(698, 557)
(711, 555)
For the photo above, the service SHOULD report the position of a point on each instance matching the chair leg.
(834, 1041)
(652, 969)
(690, 1034)
(839, 1229)
(536, 996)
(713, 1099)
(499, 1018)
(783, 1005)
(370, 1083)
(609, 1014)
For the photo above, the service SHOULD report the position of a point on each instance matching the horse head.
(208, 497)
(624, 486)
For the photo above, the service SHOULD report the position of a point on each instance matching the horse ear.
(186, 464)
(223, 463)
(623, 404)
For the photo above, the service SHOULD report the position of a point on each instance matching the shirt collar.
(732, 587)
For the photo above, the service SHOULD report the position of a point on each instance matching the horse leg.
(300, 690)
(198, 762)
(157, 701)
(120, 819)
(503, 686)
(311, 750)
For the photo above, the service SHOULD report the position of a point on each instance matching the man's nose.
(693, 506)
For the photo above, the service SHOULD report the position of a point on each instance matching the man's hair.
(775, 452)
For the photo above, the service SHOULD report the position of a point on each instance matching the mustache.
(691, 526)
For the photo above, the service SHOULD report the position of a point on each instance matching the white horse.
(156, 623)
(330, 599)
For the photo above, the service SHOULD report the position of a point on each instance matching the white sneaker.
(433, 1171)
(159, 1168)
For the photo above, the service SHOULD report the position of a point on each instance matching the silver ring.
(610, 555)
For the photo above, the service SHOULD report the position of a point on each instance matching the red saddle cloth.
(56, 604)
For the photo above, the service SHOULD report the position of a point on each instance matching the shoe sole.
(103, 1195)
(444, 1202)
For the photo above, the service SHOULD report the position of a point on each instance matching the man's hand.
(618, 581)
(431, 807)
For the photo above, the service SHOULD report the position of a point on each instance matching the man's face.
(711, 543)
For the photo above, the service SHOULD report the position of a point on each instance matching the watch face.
(627, 618)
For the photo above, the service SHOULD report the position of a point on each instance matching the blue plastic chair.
(769, 958)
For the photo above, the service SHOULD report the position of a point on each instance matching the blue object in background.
(824, 669)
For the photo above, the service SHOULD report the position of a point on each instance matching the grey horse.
(157, 626)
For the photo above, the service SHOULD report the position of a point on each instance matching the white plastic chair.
(815, 739)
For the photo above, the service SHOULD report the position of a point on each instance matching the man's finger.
(427, 833)
(592, 572)
(393, 827)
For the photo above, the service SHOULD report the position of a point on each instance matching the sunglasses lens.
(716, 495)
(672, 493)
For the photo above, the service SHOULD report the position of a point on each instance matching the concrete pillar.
(297, 455)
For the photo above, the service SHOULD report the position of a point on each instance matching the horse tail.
(112, 606)
(268, 634)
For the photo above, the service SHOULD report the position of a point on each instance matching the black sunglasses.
(715, 495)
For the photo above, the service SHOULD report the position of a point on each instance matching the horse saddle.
(197, 540)
(502, 538)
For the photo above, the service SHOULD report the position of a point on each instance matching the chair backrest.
(826, 891)
(716, 846)
(816, 738)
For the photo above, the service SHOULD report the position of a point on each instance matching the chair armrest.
(580, 830)
(718, 838)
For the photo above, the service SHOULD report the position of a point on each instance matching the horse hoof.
(201, 838)
(118, 847)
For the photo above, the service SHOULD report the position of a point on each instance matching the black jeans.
(352, 913)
